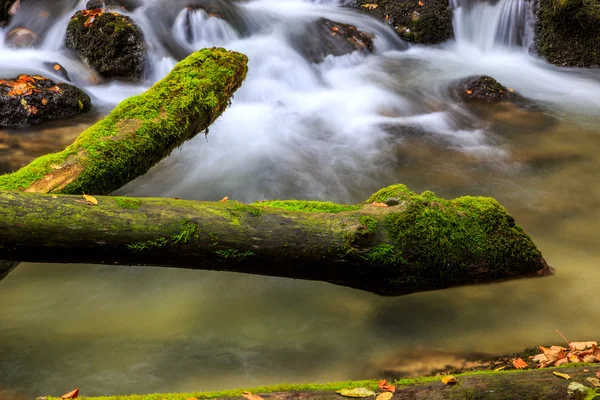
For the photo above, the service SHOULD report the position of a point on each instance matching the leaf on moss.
(449, 380)
(384, 385)
(356, 392)
(519, 363)
(385, 396)
(561, 375)
(251, 396)
(71, 395)
(90, 199)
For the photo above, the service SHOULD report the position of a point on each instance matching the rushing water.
(338, 130)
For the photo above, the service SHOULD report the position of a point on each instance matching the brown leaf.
(582, 345)
(594, 381)
(448, 380)
(384, 385)
(598, 374)
(71, 395)
(421, 3)
(251, 396)
(224, 199)
(376, 204)
(519, 363)
(561, 362)
(44, 101)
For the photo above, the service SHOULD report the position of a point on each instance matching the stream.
(338, 130)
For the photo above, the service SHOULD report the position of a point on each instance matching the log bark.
(420, 242)
(140, 131)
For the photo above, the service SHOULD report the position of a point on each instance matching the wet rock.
(6, 11)
(59, 69)
(110, 4)
(483, 88)
(21, 38)
(568, 32)
(34, 99)
(326, 37)
(109, 42)
(417, 21)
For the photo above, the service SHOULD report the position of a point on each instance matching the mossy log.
(417, 243)
(140, 131)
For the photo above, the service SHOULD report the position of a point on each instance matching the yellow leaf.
(54, 196)
(594, 381)
(356, 392)
(385, 396)
(251, 396)
(192, 398)
(561, 375)
(56, 166)
(23, 102)
(370, 6)
(90, 199)
(499, 369)
(447, 380)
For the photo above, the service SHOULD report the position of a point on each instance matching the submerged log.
(140, 131)
(419, 242)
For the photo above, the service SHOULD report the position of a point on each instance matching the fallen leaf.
(87, 203)
(376, 204)
(251, 396)
(447, 380)
(561, 375)
(356, 392)
(499, 369)
(224, 199)
(386, 396)
(421, 3)
(56, 67)
(384, 385)
(511, 90)
(54, 196)
(56, 166)
(370, 6)
(580, 346)
(519, 363)
(71, 395)
(44, 101)
(192, 398)
(90, 199)
(594, 381)
(468, 91)
(598, 374)
(561, 362)
(586, 370)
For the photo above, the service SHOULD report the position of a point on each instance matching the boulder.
(417, 21)
(112, 44)
(21, 38)
(484, 89)
(326, 37)
(59, 69)
(34, 99)
(568, 32)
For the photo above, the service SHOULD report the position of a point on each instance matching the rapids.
(338, 130)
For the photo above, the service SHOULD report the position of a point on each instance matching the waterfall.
(493, 25)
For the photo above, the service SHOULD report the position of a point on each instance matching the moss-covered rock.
(484, 89)
(31, 100)
(325, 37)
(417, 21)
(568, 32)
(110, 43)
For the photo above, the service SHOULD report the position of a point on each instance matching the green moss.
(143, 129)
(148, 244)
(125, 202)
(233, 254)
(384, 254)
(214, 238)
(308, 206)
(369, 222)
(189, 231)
(248, 208)
(399, 191)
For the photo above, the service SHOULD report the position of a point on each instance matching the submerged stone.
(417, 21)
(21, 37)
(109, 42)
(325, 37)
(568, 32)
(483, 88)
(34, 99)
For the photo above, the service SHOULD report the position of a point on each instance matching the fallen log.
(420, 242)
(140, 131)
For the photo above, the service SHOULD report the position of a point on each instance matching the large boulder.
(568, 32)
(112, 44)
(417, 21)
(34, 99)
(483, 89)
(326, 37)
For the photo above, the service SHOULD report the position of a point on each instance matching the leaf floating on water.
(385, 396)
(449, 380)
(251, 396)
(384, 385)
(71, 395)
(561, 375)
(356, 392)
(90, 199)
(519, 363)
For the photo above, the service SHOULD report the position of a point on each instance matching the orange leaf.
(375, 204)
(385, 386)
(57, 67)
(469, 91)
(251, 396)
(421, 3)
(598, 374)
(192, 398)
(71, 395)
(447, 380)
(224, 199)
(519, 363)
(44, 101)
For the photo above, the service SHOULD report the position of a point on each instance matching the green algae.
(142, 129)
(308, 206)
(125, 202)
